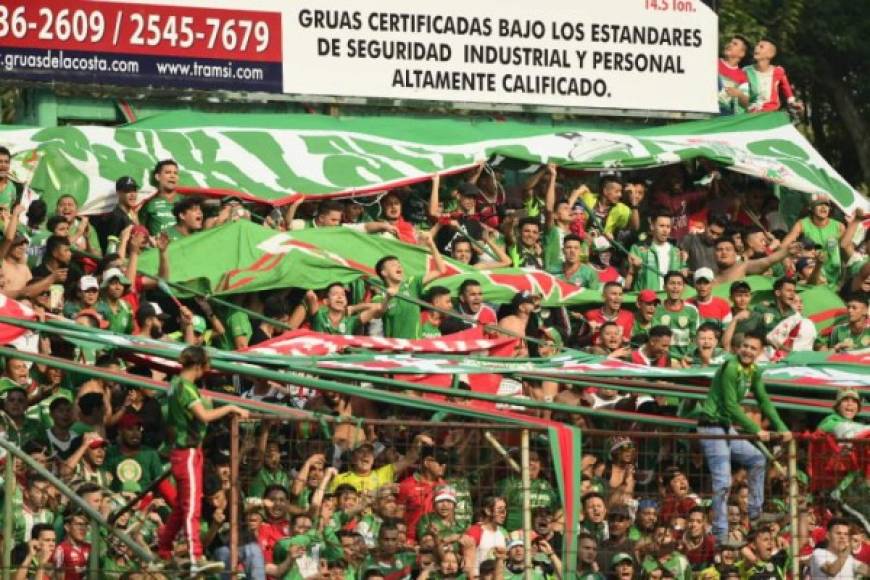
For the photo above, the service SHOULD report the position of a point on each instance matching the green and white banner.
(275, 158)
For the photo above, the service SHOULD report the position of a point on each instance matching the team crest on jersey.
(768, 317)
(683, 320)
(666, 319)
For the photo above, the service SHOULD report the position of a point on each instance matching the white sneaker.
(203, 566)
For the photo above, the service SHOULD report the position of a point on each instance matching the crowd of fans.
(374, 504)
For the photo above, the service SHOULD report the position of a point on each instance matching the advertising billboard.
(619, 55)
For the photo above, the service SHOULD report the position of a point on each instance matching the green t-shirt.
(189, 431)
(320, 322)
(521, 574)
(135, 472)
(771, 315)
(429, 330)
(842, 333)
(584, 276)
(121, 319)
(541, 495)
(402, 319)
(398, 569)
(683, 324)
(157, 214)
(828, 237)
(464, 512)
(236, 324)
(442, 528)
(553, 256)
(8, 194)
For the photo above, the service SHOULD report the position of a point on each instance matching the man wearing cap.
(123, 215)
(718, 415)
(149, 319)
(711, 308)
(611, 310)
(88, 460)
(133, 465)
(647, 304)
(854, 334)
(726, 561)
(157, 213)
(417, 490)
(824, 232)
(188, 218)
(645, 520)
(678, 315)
(87, 297)
(622, 567)
(442, 521)
(114, 310)
(618, 540)
(651, 260)
(841, 423)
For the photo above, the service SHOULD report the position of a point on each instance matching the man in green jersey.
(826, 234)
(402, 317)
(678, 315)
(117, 312)
(134, 467)
(188, 415)
(718, 415)
(335, 316)
(855, 333)
(388, 557)
(157, 214)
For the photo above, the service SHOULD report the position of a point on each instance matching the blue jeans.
(250, 555)
(719, 454)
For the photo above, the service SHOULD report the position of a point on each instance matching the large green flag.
(245, 257)
(272, 158)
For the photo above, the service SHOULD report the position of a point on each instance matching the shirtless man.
(731, 270)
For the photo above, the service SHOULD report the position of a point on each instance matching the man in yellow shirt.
(364, 477)
(609, 209)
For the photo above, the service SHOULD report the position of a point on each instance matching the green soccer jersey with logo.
(683, 324)
(135, 472)
(399, 568)
(541, 494)
(402, 319)
(771, 315)
(842, 334)
(157, 215)
(320, 322)
(189, 431)
(120, 319)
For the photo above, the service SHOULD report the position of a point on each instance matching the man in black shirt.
(110, 225)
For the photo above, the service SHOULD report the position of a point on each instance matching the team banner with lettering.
(177, 46)
(274, 158)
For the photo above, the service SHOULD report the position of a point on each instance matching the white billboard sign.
(653, 55)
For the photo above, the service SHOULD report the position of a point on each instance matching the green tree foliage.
(823, 45)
